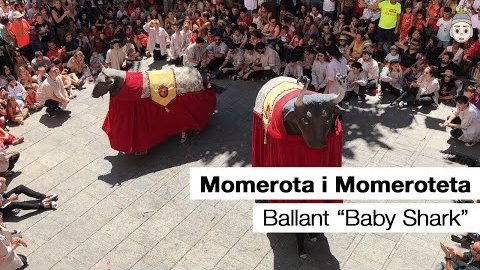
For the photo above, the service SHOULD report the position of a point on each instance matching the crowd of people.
(49, 48)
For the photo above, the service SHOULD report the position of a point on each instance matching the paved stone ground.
(100, 225)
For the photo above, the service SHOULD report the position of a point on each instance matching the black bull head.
(109, 80)
(312, 116)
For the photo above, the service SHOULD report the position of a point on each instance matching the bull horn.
(305, 81)
(341, 95)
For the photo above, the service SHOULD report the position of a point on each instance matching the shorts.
(386, 35)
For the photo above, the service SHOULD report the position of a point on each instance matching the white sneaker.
(53, 205)
(401, 104)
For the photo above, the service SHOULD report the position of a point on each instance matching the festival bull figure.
(293, 127)
(147, 107)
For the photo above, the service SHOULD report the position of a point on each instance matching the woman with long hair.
(337, 66)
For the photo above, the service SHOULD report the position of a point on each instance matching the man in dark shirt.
(71, 45)
(444, 64)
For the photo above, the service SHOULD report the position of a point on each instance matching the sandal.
(18, 140)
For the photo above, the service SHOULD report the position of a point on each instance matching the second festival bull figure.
(293, 127)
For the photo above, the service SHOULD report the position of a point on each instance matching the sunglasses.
(341, 18)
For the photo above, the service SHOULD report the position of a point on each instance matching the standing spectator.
(116, 57)
(52, 93)
(60, 18)
(216, 53)
(158, 40)
(444, 24)
(337, 66)
(20, 29)
(389, 23)
(464, 121)
(178, 43)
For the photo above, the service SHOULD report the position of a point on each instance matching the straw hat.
(393, 47)
(367, 43)
(17, 14)
(448, 72)
(343, 37)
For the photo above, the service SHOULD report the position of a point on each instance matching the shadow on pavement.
(15, 217)
(285, 255)
(60, 118)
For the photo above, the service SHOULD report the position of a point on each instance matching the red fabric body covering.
(135, 124)
(283, 150)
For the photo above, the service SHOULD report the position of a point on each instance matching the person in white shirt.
(158, 39)
(130, 50)
(16, 90)
(444, 24)
(393, 54)
(457, 52)
(269, 66)
(216, 53)
(195, 54)
(319, 72)
(294, 67)
(233, 61)
(464, 121)
(336, 66)
(370, 67)
(178, 43)
(356, 82)
(424, 91)
(116, 57)
(52, 93)
(391, 78)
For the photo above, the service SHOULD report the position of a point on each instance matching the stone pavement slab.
(125, 212)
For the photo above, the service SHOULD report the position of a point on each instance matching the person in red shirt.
(243, 19)
(54, 51)
(20, 30)
(472, 47)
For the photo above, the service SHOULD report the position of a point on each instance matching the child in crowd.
(251, 58)
(96, 62)
(31, 98)
(14, 112)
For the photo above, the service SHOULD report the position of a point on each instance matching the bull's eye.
(305, 121)
(466, 31)
(457, 31)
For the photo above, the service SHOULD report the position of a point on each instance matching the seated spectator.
(41, 75)
(9, 139)
(457, 260)
(251, 58)
(232, 63)
(457, 52)
(446, 63)
(472, 95)
(357, 81)
(116, 57)
(9, 260)
(16, 90)
(356, 48)
(464, 121)
(31, 98)
(96, 62)
(52, 94)
(294, 67)
(393, 54)
(216, 53)
(40, 61)
(55, 52)
(195, 54)
(71, 45)
(448, 87)
(391, 79)
(424, 91)
(16, 113)
(370, 67)
(9, 199)
(466, 239)
(319, 72)
(131, 51)
(308, 59)
(269, 66)
(7, 161)
(77, 65)
(25, 78)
